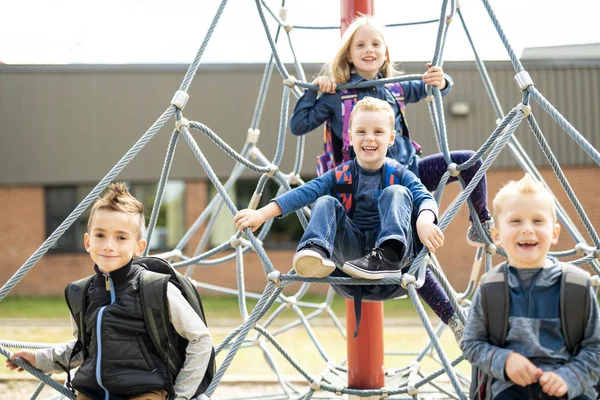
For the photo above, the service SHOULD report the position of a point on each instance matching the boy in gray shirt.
(535, 362)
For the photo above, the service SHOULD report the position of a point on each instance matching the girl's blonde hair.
(340, 68)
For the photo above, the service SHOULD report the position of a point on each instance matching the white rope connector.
(273, 169)
(235, 241)
(275, 277)
(180, 99)
(412, 391)
(288, 27)
(390, 372)
(291, 302)
(315, 385)
(182, 122)
(254, 153)
(406, 279)
(453, 169)
(252, 136)
(294, 179)
(427, 259)
(498, 121)
(290, 81)
(596, 281)
(525, 109)
(582, 247)
(429, 99)
(283, 13)
(254, 201)
(491, 248)
(203, 397)
(385, 393)
(448, 20)
(339, 390)
(523, 80)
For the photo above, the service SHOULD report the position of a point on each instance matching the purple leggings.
(431, 169)
(436, 298)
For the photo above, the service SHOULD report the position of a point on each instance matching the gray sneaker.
(475, 237)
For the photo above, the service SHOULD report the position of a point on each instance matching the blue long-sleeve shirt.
(312, 111)
(324, 185)
(535, 332)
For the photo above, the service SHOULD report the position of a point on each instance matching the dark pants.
(534, 391)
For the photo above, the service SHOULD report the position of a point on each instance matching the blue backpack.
(331, 143)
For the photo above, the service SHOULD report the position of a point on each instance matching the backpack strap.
(495, 301)
(76, 298)
(574, 305)
(397, 92)
(343, 186)
(153, 299)
(349, 98)
(393, 173)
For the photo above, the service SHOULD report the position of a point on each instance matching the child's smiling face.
(526, 228)
(371, 134)
(367, 51)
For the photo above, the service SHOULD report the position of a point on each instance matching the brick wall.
(22, 232)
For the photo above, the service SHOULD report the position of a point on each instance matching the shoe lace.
(377, 254)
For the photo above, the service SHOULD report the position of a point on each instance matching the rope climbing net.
(406, 381)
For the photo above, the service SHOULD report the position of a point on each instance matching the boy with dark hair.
(119, 359)
(535, 360)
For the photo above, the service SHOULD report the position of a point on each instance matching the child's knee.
(396, 192)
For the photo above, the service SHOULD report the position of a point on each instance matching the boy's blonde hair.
(339, 69)
(524, 186)
(118, 198)
(373, 104)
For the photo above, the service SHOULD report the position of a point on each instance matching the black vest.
(129, 364)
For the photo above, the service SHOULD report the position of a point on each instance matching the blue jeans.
(331, 228)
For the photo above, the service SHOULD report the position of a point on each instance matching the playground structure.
(335, 379)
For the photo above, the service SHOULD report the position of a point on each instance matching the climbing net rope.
(407, 381)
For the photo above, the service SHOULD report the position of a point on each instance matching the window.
(285, 232)
(170, 226)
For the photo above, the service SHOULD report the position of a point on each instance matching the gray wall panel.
(68, 124)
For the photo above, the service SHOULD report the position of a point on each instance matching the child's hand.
(247, 218)
(552, 384)
(520, 370)
(26, 355)
(326, 84)
(434, 76)
(430, 235)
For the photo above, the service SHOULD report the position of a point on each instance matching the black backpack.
(495, 300)
(153, 297)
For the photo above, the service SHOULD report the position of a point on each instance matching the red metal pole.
(365, 352)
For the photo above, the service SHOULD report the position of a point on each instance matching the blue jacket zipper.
(109, 286)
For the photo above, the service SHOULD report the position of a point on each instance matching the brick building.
(62, 128)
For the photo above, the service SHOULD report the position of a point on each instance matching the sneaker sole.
(310, 264)
(356, 272)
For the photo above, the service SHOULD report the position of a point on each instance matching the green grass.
(221, 307)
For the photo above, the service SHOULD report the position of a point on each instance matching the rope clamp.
(294, 179)
(596, 281)
(523, 80)
(283, 13)
(491, 248)
(339, 390)
(182, 122)
(273, 169)
(275, 277)
(180, 99)
(315, 385)
(453, 169)
(252, 136)
(235, 241)
(385, 393)
(291, 301)
(525, 109)
(448, 20)
(288, 27)
(412, 391)
(290, 81)
(582, 248)
(407, 279)
(429, 99)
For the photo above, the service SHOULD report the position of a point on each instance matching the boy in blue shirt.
(534, 361)
(374, 237)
